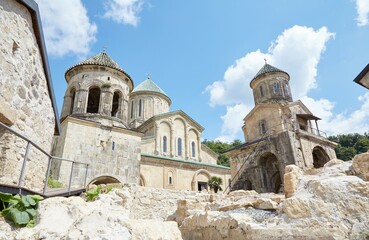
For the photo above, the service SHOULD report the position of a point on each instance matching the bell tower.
(98, 90)
(270, 85)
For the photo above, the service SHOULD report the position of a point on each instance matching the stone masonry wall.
(25, 103)
(108, 150)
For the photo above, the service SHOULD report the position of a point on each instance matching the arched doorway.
(270, 175)
(200, 180)
(104, 180)
(320, 157)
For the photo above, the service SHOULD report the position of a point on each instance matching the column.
(157, 141)
(81, 98)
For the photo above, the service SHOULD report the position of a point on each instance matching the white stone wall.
(110, 151)
(25, 102)
(184, 176)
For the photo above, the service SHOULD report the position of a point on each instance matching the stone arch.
(320, 157)
(142, 181)
(270, 175)
(165, 130)
(93, 99)
(179, 127)
(105, 179)
(195, 184)
(193, 143)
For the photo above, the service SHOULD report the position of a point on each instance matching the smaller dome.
(149, 86)
(100, 59)
(268, 69)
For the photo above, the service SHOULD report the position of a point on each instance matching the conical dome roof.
(149, 86)
(101, 59)
(267, 68)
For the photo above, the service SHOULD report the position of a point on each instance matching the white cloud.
(362, 8)
(67, 27)
(342, 123)
(232, 122)
(297, 51)
(123, 11)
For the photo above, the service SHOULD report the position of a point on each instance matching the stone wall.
(25, 102)
(180, 175)
(110, 151)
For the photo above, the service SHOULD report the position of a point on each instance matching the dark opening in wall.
(93, 100)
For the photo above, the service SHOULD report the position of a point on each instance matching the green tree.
(215, 183)
(221, 147)
(362, 145)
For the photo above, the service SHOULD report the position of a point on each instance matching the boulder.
(360, 165)
(291, 179)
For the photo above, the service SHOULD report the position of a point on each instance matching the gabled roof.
(169, 114)
(267, 68)
(101, 59)
(363, 77)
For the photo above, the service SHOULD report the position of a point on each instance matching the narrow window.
(132, 109)
(170, 180)
(164, 144)
(179, 146)
(193, 149)
(115, 105)
(73, 96)
(263, 128)
(140, 108)
(275, 87)
(287, 90)
(93, 101)
(113, 146)
(261, 91)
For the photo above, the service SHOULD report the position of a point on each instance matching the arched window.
(287, 89)
(193, 149)
(115, 105)
(93, 101)
(275, 87)
(179, 146)
(73, 96)
(261, 91)
(263, 127)
(170, 178)
(140, 108)
(164, 144)
(132, 109)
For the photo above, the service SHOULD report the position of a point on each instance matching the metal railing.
(50, 162)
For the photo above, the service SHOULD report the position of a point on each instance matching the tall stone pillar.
(187, 145)
(157, 141)
(172, 142)
(81, 98)
(106, 100)
(198, 147)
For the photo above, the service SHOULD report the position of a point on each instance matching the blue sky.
(204, 53)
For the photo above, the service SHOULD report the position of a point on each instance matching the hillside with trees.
(350, 144)
(220, 147)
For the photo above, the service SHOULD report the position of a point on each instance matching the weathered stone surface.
(291, 179)
(360, 164)
(327, 205)
(21, 64)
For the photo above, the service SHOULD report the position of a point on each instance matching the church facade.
(278, 131)
(128, 134)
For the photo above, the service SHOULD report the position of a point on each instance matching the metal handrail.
(266, 135)
(50, 160)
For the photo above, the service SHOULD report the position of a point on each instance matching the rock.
(236, 205)
(360, 164)
(265, 204)
(291, 179)
(333, 162)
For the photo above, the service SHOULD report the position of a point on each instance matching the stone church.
(278, 131)
(128, 134)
